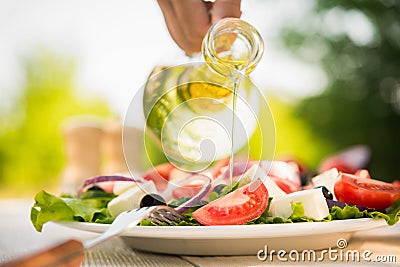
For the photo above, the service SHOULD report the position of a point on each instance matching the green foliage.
(361, 104)
(31, 147)
(294, 138)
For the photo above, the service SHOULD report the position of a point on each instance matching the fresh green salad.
(261, 192)
(93, 206)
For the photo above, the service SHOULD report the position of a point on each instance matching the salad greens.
(91, 206)
(88, 207)
(226, 190)
(336, 213)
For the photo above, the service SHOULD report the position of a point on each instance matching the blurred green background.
(31, 144)
(355, 43)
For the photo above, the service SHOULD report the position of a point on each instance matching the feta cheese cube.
(131, 198)
(313, 201)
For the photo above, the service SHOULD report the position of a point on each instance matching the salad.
(261, 192)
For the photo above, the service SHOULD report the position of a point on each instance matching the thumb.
(225, 9)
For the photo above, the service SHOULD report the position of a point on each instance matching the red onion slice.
(196, 198)
(105, 178)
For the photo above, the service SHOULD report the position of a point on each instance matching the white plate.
(237, 240)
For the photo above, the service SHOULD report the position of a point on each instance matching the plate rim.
(237, 231)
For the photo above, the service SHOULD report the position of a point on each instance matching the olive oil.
(192, 122)
(233, 47)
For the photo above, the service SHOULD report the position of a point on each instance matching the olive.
(218, 189)
(95, 188)
(152, 200)
(326, 192)
(304, 178)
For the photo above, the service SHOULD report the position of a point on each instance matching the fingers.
(172, 23)
(195, 20)
(189, 20)
(225, 9)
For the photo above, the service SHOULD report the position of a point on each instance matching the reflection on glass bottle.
(190, 108)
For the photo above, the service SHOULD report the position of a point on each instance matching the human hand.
(189, 20)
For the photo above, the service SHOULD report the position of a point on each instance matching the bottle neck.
(232, 46)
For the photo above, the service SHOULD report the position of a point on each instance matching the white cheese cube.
(327, 179)
(131, 198)
(122, 186)
(313, 201)
(256, 172)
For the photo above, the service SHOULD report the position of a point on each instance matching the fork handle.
(67, 254)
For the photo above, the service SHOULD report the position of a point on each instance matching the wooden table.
(18, 237)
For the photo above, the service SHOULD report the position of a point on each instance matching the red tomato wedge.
(236, 208)
(159, 175)
(370, 193)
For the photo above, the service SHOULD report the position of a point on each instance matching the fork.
(71, 252)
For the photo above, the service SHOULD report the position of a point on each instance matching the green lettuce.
(89, 207)
(391, 214)
(226, 190)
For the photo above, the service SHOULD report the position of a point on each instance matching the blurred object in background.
(31, 144)
(348, 160)
(82, 149)
(135, 154)
(111, 149)
(94, 147)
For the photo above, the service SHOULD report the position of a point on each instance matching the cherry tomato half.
(370, 193)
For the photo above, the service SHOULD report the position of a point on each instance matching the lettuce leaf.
(391, 215)
(91, 207)
(226, 190)
(298, 213)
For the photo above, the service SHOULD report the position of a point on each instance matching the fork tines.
(165, 214)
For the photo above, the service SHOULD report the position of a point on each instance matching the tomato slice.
(186, 190)
(220, 167)
(189, 187)
(236, 208)
(285, 175)
(285, 185)
(337, 163)
(370, 193)
(159, 175)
